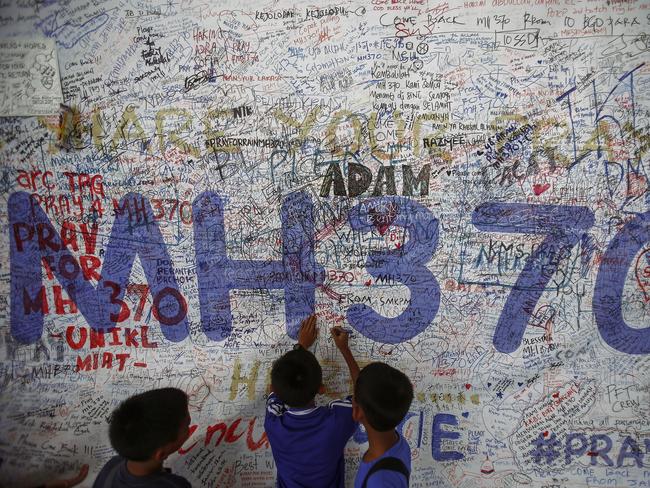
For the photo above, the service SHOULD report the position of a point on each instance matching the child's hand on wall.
(308, 332)
(340, 337)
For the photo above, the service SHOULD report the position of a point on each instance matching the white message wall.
(462, 184)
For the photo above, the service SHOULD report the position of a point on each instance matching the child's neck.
(311, 404)
(379, 443)
(144, 468)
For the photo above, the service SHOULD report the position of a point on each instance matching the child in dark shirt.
(144, 430)
(307, 441)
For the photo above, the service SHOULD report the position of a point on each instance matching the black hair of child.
(296, 378)
(385, 395)
(146, 422)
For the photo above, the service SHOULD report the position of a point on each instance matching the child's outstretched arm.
(69, 482)
(340, 337)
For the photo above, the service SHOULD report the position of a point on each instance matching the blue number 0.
(608, 295)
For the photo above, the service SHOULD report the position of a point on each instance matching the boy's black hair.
(296, 378)
(146, 422)
(384, 394)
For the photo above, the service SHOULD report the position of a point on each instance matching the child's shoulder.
(277, 407)
(341, 403)
(274, 405)
(401, 449)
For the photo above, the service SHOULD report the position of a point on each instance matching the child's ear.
(160, 454)
(321, 390)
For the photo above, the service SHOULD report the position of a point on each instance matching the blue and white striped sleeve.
(343, 402)
(274, 405)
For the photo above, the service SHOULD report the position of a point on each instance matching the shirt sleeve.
(100, 480)
(274, 406)
(184, 483)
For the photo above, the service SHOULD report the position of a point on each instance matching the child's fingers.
(83, 472)
(310, 323)
(338, 332)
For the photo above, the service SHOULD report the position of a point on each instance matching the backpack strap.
(388, 464)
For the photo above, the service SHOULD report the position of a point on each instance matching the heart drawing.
(382, 219)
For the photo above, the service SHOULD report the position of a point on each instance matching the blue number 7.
(563, 225)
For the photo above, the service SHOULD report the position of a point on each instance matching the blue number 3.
(406, 265)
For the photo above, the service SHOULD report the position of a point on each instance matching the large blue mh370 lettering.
(34, 242)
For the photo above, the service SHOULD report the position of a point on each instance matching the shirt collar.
(301, 411)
